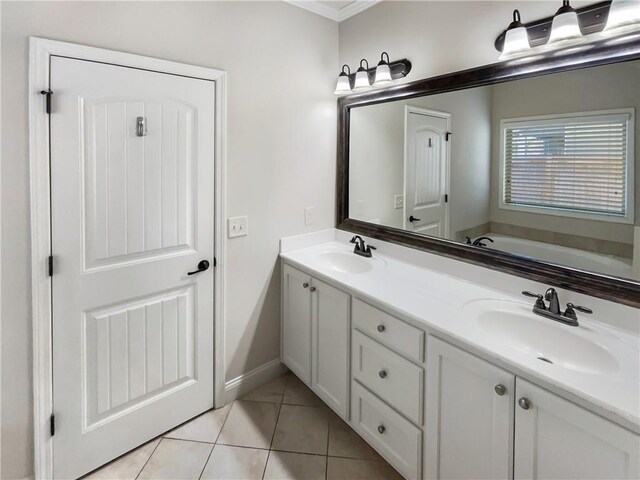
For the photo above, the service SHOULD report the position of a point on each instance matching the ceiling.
(335, 10)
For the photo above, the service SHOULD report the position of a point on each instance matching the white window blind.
(569, 163)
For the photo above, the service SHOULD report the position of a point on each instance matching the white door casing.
(426, 171)
(136, 333)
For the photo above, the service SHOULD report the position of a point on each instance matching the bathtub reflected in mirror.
(546, 167)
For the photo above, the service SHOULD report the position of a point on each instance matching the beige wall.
(601, 88)
(281, 63)
(437, 36)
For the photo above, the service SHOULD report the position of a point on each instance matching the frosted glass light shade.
(362, 79)
(565, 29)
(383, 73)
(343, 86)
(624, 16)
(516, 43)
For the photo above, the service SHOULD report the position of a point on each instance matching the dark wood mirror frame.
(621, 290)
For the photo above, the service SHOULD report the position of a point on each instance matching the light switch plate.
(398, 201)
(238, 226)
(308, 216)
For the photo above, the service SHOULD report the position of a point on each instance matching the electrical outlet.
(360, 208)
(238, 226)
(398, 201)
(308, 216)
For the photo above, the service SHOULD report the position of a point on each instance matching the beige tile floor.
(278, 431)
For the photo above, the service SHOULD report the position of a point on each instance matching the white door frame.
(431, 113)
(40, 53)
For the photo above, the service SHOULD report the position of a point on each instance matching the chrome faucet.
(568, 317)
(551, 296)
(361, 248)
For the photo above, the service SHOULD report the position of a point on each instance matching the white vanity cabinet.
(434, 410)
(315, 336)
(555, 438)
(483, 422)
(469, 415)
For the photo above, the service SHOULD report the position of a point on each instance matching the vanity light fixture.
(624, 16)
(362, 76)
(516, 41)
(344, 83)
(386, 71)
(383, 72)
(600, 23)
(565, 28)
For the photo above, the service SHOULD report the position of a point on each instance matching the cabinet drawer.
(389, 330)
(393, 378)
(396, 439)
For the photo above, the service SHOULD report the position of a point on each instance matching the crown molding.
(331, 13)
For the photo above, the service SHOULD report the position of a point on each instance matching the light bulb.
(624, 17)
(383, 72)
(516, 39)
(343, 85)
(565, 28)
(362, 76)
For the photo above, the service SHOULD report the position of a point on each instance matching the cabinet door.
(555, 438)
(296, 322)
(330, 340)
(469, 415)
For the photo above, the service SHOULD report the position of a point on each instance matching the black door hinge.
(215, 262)
(446, 198)
(447, 135)
(50, 265)
(52, 424)
(47, 104)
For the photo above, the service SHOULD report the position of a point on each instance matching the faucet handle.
(531, 294)
(539, 299)
(569, 312)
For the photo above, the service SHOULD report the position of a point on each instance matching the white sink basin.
(345, 262)
(516, 327)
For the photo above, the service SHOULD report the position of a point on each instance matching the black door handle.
(202, 266)
(413, 219)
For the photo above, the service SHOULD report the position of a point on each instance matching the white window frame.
(627, 114)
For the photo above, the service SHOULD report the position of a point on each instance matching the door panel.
(469, 426)
(296, 323)
(426, 173)
(131, 215)
(330, 322)
(556, 439)
(138, 194)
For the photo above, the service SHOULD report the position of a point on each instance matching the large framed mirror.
(530, 167)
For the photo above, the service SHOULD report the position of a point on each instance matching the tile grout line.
(326, 464)
(207, 461)
(225, 422)
(148, 459)
(264, 472)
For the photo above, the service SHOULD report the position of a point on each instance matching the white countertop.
(441, 302)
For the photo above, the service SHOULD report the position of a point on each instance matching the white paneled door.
(426, 171)
(132, 199)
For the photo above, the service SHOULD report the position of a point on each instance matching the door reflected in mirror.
(545, 167)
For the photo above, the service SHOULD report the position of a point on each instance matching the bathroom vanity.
(449, 379)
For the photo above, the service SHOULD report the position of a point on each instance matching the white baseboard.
(246, 382)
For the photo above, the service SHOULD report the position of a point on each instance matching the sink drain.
(545, 360)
